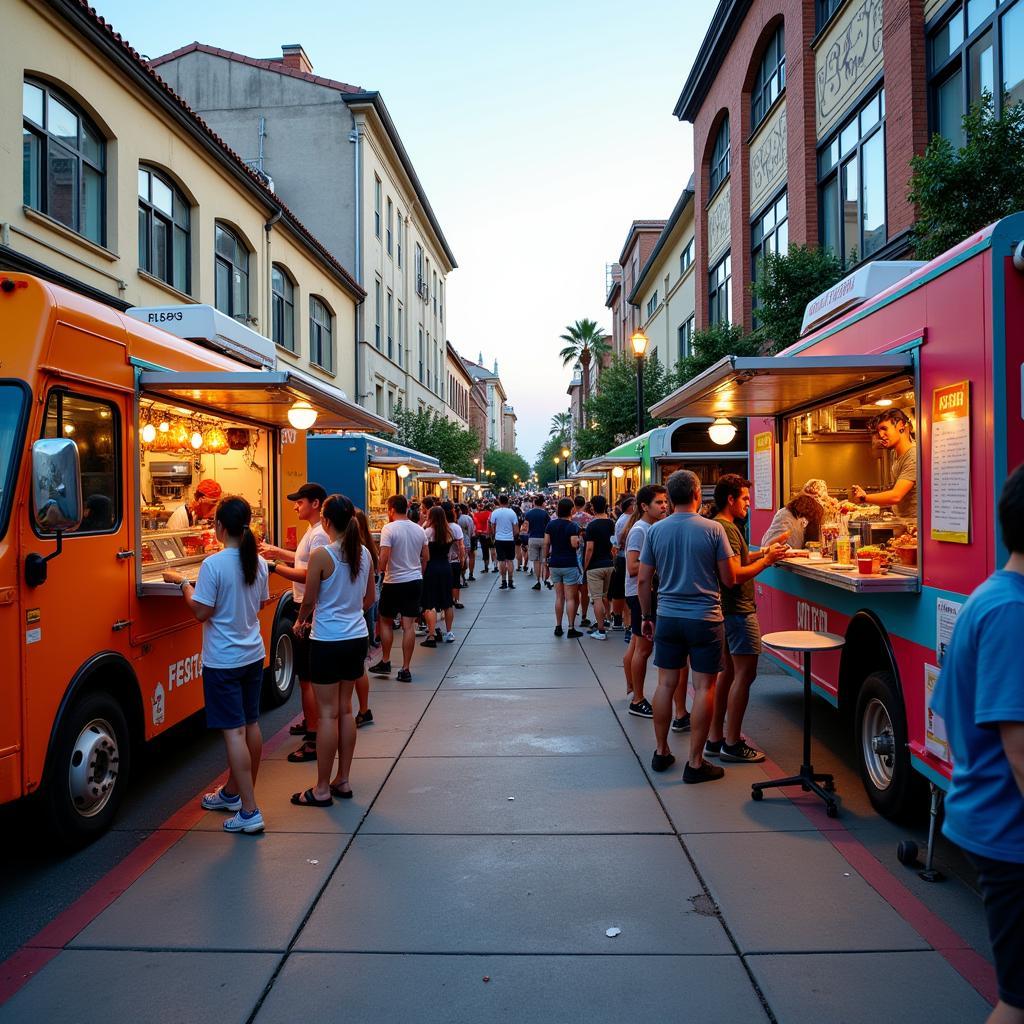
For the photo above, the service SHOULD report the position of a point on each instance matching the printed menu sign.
(951, 463)
(763, 470)
(935, 739)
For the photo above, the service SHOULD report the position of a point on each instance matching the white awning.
(262, 396)
(606, 462)
(417, 465)
(770, 385)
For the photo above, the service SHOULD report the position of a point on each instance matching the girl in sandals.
(339, 589)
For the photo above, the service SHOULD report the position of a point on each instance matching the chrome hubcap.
(284, 663)
(878, 744)
(95, 762)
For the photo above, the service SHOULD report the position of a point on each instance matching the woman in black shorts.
(437, 580)
(339, 589)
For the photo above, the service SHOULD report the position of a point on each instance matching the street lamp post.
(557, 460)
(476, 464)
(565, 461)
(639, 343)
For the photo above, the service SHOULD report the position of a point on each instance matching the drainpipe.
(355, 136)
(269, 303)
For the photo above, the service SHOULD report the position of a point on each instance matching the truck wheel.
(880, 741)
(89, 770)
(279, 677)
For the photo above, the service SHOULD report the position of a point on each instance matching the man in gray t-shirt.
(895, 433)
(691, 556)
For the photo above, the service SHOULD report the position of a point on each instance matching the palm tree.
(560, 424)
(585, 340)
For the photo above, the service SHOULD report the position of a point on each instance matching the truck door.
(79, 614)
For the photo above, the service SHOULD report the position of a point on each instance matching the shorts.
(232, 695)
(535, 549)
(701, 642)
(743, 633)
(522, 540)
(331, 661)
(484, 542)
(598, 582)
(1002, 889)
(456, 575)
(300, 646)
(504, 550)
(636, 617)
(567, 574)
(617, 589)
(401, 599)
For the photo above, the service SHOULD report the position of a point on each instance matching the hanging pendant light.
(722, 431)
(215, 441)
(180, 437)
(148, 434)
(302, 415)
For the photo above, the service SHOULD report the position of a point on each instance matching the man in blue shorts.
(561, 542)
(692, 558)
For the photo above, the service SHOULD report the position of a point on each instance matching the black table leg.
(807, 779)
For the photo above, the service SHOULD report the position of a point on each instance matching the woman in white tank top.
(339, 588)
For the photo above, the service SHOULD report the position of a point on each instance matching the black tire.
(906, 853)
(279, 675)
(88, 770)
(880, 744)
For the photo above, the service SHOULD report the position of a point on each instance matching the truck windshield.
(13, 409)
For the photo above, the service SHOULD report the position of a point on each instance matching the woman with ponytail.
(339, 589)
(437, 579)
(365, 716)
(231, 589)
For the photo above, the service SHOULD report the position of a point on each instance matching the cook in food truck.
(105, 411)
(896, 351)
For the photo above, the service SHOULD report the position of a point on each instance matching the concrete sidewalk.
(504, 818)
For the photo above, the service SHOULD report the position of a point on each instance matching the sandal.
(307, 752)
(298, 730)
(340, 793)
(307, 799)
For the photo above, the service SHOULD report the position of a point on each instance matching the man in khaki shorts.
(599, 563)
(537, 520)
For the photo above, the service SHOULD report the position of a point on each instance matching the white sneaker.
(599, 634)
(216, 801)
(449, 637)
(236, 823)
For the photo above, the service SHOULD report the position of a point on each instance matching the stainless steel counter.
(897, 580)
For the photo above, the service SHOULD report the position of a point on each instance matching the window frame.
(220, 259)
(391, 324)
(377, 197)
(768, 81)
(286, 303)
(823, 12)
(718, 169)
(758, 248)
(422, 353)
(686, 257)
(8, 485)
(378, 313)
(45, 141)
(318, 329)
(716, 290)
(388, 231)
(685, 328)
(652, 304)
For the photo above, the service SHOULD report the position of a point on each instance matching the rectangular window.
(398, 240)
(321, 343)
(440, 314)
(391, 325)
(378, 311)
(652, 305)
(720, 291)
(379, 399)
(823, 10)
(391, 217)
(418, 268)
(422, 356)
(376, 205)
(686, 258)
(435, 293)
(400, 335)
(685, 336)
(768, 234)
(391, 404)
(430, 349)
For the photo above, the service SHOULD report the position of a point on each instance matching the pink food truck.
(943, 344)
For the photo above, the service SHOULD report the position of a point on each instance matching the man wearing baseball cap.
(291, 565)
(202, 506)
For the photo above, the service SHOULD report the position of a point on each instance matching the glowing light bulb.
(148, 434)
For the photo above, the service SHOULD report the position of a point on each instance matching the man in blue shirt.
(538, 520)
(980, 695)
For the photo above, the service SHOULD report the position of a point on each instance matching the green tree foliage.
(710, 345)
(544, 464)
(429, 432)
(960, 191)
(584, 341)
(560, 423)
(504, 465)
(785, 284)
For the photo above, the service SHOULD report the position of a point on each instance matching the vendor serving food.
(895, 432)
(200, 509)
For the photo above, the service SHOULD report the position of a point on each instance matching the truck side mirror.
(56, 498)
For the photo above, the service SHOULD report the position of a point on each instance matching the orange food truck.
(108, 422)
(942, 345)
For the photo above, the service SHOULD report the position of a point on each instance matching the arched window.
(720, 156)
(63, 162)
(231, 274)
(282, 307)
(164, 241)
(321, 345)
(771, 77)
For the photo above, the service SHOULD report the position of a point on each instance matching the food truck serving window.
(14, 398)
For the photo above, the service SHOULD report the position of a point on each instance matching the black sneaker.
(573, 634)
(681, 724)
(741, 752)
(642, 709)
(364, 718)
(536, 586)
(511, 585)
(504, 585)
(617, 623)
(585, 621)
(713, 748)
(705, 773)
(549, 585)
(471, 578)
(662, 762)
(404, 675)
(429, 642)
(558, 630)
(382, 668)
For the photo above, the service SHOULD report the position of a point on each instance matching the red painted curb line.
(39, 950)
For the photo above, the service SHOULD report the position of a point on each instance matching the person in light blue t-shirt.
(980, 695)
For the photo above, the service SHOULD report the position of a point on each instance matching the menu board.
(951, 463)
(763, 470)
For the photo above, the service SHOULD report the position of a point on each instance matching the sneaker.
(536, 586)
(642, 709)
(404, 675)
(439, 634)
(549, 584)
(585, 621)
(681, 724)
(741, 751)
(511, 585)
(382, 668)
(504, 585)
(573, 634)
(471, 578)
(705, 773)
(713, 748)
(599, 634)
(558, 630)
(459, 605)
(449, 637)
(364, 718)
(429, 642)
(242, 822)
(617, 623)
(662, 762)
(422, 629)
(218, 800)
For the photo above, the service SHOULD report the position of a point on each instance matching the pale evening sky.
(539, 130)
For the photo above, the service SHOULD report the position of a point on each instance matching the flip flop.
(341, 794)
(306, 799)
